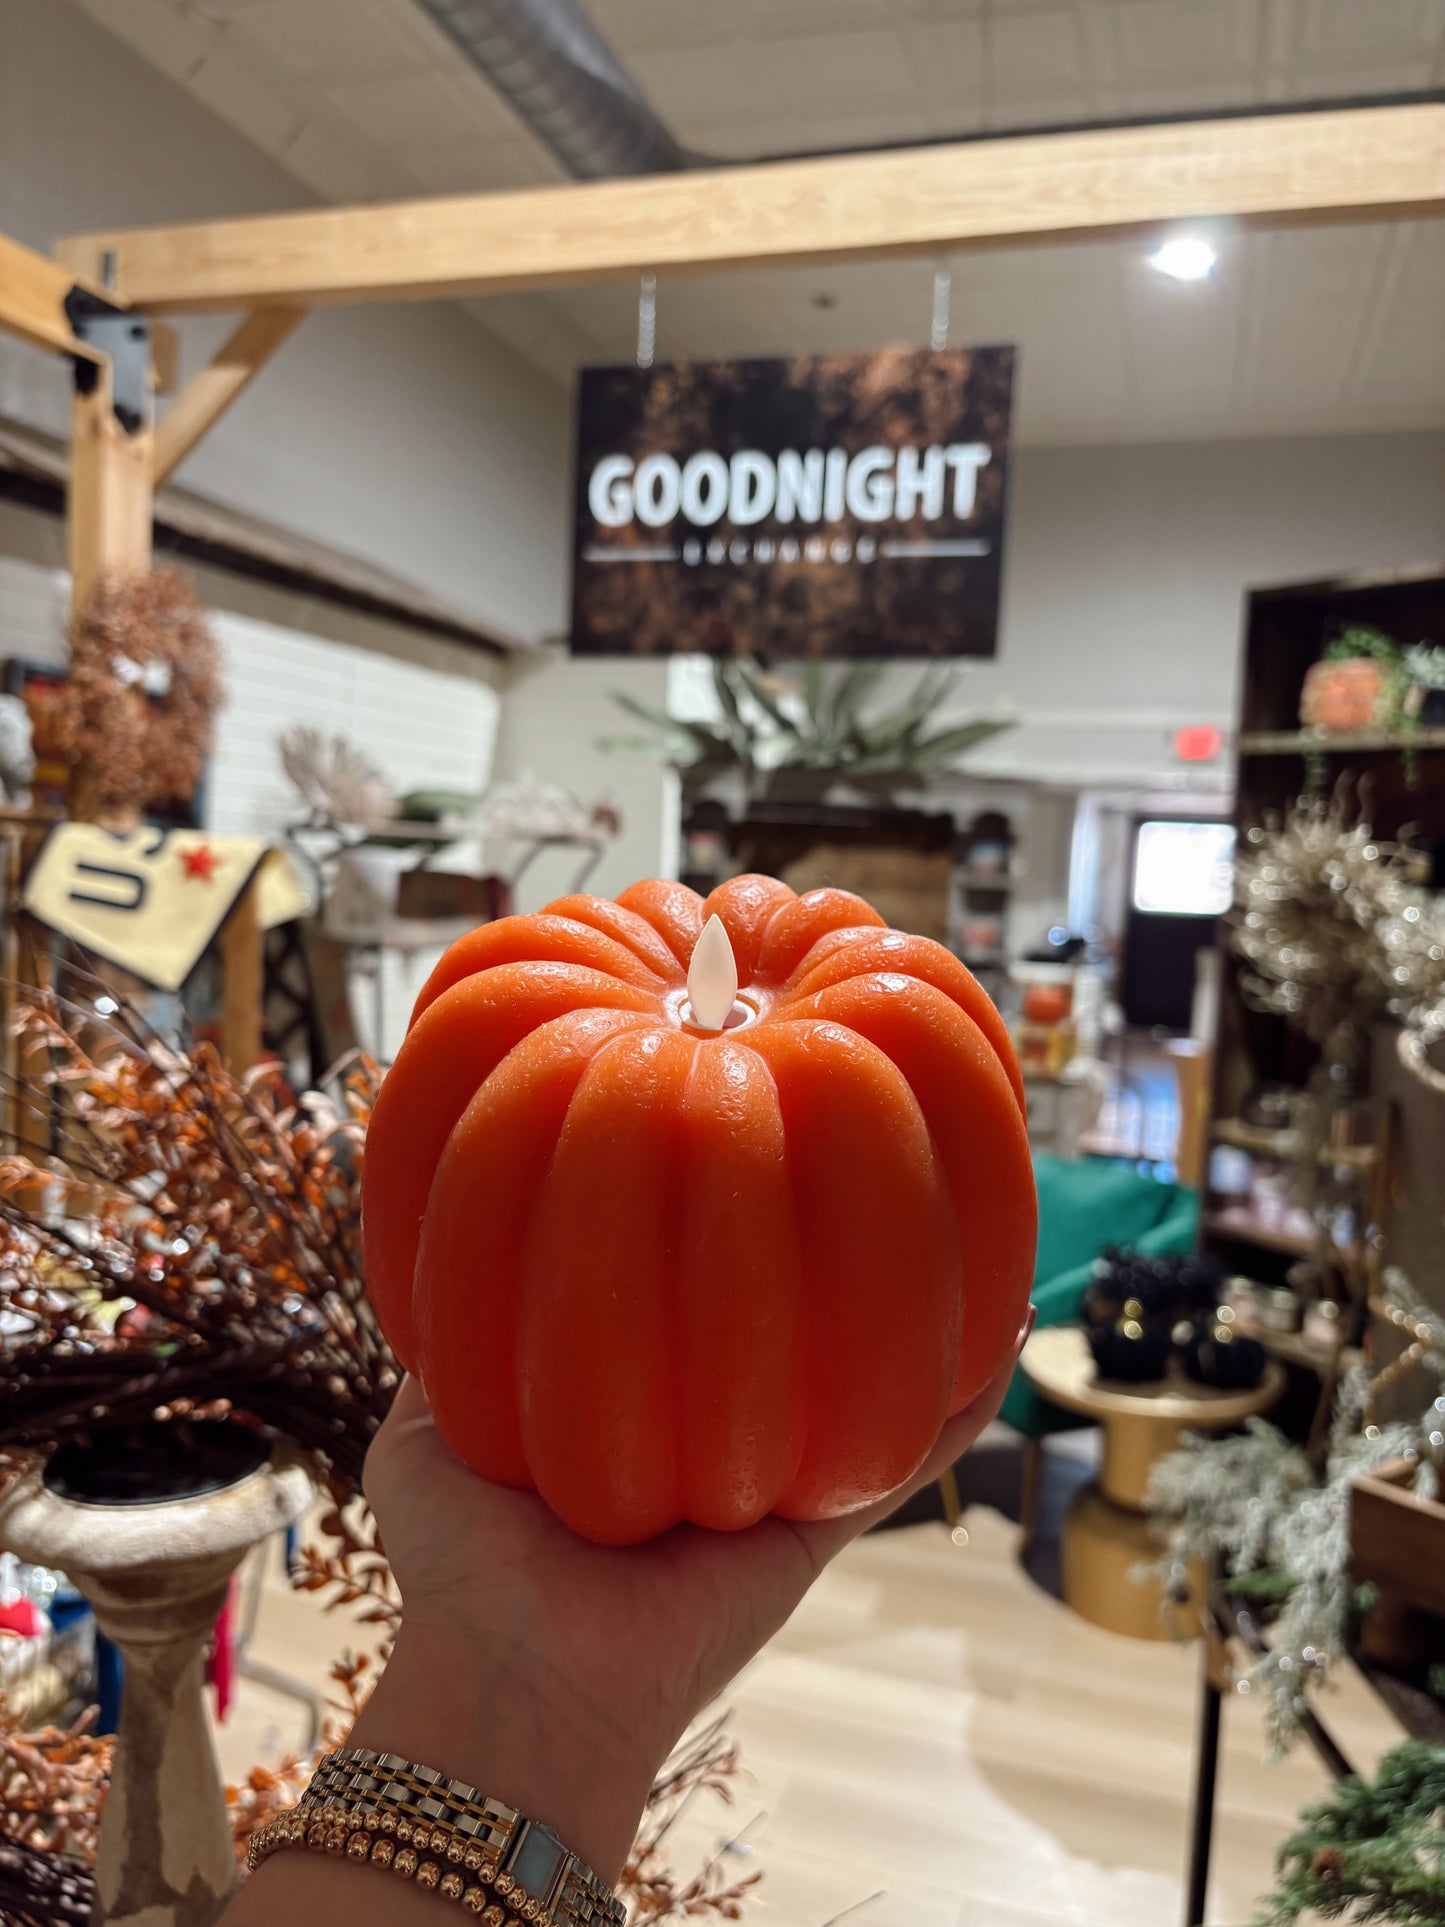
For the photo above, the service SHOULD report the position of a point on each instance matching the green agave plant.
(766, 724)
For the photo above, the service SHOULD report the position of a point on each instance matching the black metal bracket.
(126, 340)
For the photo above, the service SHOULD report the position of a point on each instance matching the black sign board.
(830, 505)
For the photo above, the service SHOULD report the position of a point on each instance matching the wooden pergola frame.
(1273, 170)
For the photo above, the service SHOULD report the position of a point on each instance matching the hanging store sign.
(829, 505)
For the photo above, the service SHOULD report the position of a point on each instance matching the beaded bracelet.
(445, 1836)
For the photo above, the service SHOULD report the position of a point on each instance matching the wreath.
(145, 682)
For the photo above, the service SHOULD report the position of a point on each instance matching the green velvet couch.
(1085, 1204)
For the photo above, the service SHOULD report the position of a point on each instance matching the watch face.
(536, 1861)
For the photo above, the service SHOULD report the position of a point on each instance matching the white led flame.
(712, 977)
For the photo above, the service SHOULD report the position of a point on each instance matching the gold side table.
(1106, 1531)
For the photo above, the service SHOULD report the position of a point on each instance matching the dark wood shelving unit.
(1288, 1147)
(1403, 774)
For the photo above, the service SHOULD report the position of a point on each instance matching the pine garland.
(1374, 1850)
(1256, 1502)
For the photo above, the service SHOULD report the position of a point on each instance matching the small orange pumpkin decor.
(1047, 1003)
(687, 1210)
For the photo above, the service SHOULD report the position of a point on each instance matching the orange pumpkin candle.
(666, 1248)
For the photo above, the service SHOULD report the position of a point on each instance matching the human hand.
(555, 1674)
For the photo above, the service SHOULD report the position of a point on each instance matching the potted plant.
(1358, 684)
(791, 741)
(1425, 673)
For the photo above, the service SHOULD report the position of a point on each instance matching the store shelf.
(1000, 881)
(1243, 1228)
(1239, 1224)
(1302, 742)
(1288, 1146)
(1295, 1349)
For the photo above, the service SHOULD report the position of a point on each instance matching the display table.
(1107, 1535)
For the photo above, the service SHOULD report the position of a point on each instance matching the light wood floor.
(935, 1741)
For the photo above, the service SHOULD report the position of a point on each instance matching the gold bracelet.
(446, 1836)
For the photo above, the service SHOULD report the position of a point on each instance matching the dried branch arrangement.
(353, 1569)
(706, 1762)
(192, 1245)
(52, 1790)
(53, 1783)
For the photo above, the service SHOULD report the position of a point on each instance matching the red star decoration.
(201, 862)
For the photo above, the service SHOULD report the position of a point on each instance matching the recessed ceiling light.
(1184, 258)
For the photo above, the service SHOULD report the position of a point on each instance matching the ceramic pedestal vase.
(150, 1523)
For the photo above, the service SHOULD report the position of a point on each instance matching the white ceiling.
(1306, 332)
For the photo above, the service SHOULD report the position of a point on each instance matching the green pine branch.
(1374, 1850)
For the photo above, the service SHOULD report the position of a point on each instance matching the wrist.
(503, 1722)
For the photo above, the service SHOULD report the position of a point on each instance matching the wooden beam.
(109, 500)
(32, 300)
(32, 307)
(209, 394)
(1354, 164)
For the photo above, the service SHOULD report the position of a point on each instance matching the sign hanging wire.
(942, 292)
(646, 319)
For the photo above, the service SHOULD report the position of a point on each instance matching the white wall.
(1125, 574)
(556, 709)
(404, 434)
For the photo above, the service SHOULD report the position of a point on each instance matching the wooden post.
(108, 509)
(239, 943)
(109, 502)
